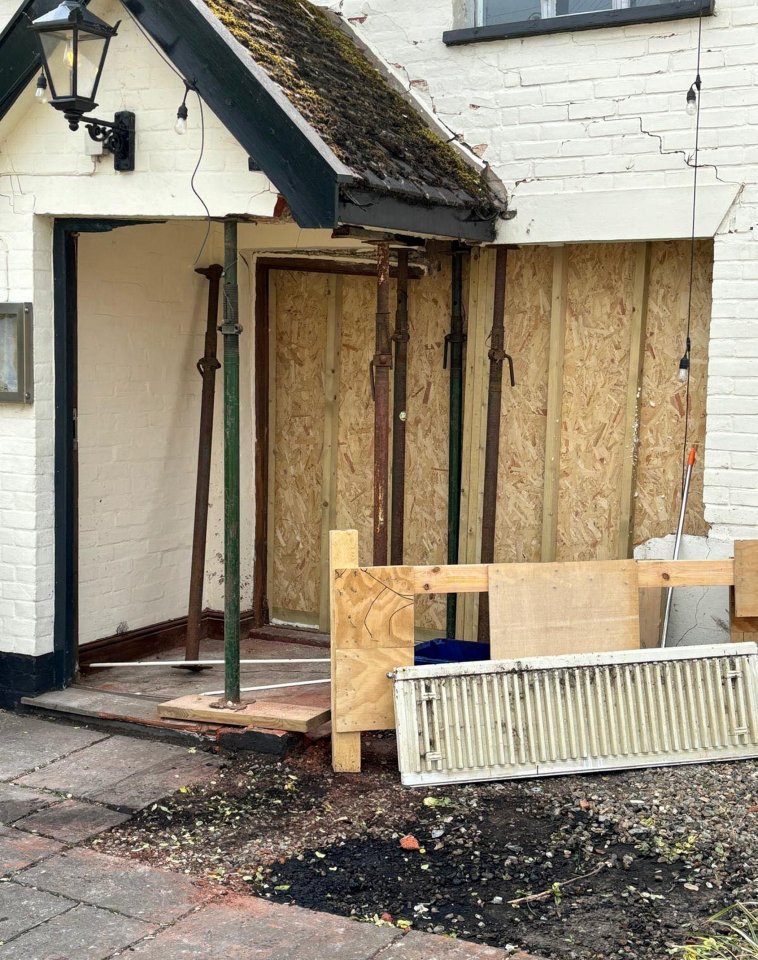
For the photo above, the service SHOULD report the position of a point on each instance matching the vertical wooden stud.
(272, 342)
(481, 292)
(331, 432)
(555, 403)
(346, 747)
(638, 324)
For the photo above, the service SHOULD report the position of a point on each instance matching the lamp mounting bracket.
(117, 136)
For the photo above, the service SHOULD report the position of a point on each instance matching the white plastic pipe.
(268, 686)
(200, 663)
(678, 541)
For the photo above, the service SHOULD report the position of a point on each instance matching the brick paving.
(62, 785)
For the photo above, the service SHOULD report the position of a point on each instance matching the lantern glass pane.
(9, 353)
(91, 50)
(59, 56)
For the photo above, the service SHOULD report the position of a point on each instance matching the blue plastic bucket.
(433, 652)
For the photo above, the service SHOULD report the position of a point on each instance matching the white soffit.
(576, 714)
(609, 216)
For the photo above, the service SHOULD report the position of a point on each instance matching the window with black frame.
(492, 12)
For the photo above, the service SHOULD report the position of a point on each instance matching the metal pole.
(380, 379)
(401, 337)
(207, 367)
(231, 331)
(454, 342)
(678, 541)
(497, 355)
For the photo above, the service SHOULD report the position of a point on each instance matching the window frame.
(621, 15)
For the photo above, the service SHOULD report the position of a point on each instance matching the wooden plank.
(638, 334)
(554, 404)
(331, 439)
(651, 615)
(551, 609)
(346, 747)
(685, 573)
(742, 629)
(464, 578)
(746, 578)
(474, 426)
(365, 692)
(274, 714)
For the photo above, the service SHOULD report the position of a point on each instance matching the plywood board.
(365, 700)
(372, 608)
(746, 578)
(600, 295)
(521, 468)
(551, 609)
(295, 535)
(355, 453)
(663, 398)
(274, 714)
(427, 431)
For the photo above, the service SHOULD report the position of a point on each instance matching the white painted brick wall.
(45, 172)
(603, 110)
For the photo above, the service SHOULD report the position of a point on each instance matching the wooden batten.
(346, 747)
(481, 289)
(331, 438)
(633, 396)
(555, 403)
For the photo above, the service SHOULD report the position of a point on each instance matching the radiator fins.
(552, 715)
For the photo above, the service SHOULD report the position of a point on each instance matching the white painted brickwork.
(44, 172)
(595, 122)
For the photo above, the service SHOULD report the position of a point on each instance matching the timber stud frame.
(372, 623)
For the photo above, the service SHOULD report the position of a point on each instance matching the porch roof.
(338, 140)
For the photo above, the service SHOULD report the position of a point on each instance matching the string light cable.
(685, 364)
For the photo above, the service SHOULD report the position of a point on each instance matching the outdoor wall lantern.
(16, 376)
(74, 44)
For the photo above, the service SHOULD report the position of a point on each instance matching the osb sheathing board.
(600, 293)
(295, 534)
(427, 423)
(663, 398)
(355, 447)
(522, 429)
(427, 433)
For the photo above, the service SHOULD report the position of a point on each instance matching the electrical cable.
(208, 218)
(696, 89)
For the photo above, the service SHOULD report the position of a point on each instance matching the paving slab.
(19, 849)
(423, 946)
(124, 772)
(248, 928)
(22, 908)
(29, 743)
(17, 802)
(126, 886)
(84, 932)
(72, 821)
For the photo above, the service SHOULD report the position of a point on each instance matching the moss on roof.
(364, 120)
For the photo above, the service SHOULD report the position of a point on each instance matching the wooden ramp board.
(552, 609)
(301, 717)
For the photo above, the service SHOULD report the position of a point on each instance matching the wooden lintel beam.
(347, 268)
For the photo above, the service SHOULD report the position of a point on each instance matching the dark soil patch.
(627, 864)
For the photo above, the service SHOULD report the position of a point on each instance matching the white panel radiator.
(572, 714)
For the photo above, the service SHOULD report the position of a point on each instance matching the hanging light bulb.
(69, 57)
(181, 120)
(684, 363)
(41, 92)
(692, 101)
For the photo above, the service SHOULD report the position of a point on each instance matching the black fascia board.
(365, 208)
(242, 98)
(676, 10)
(19, 52)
